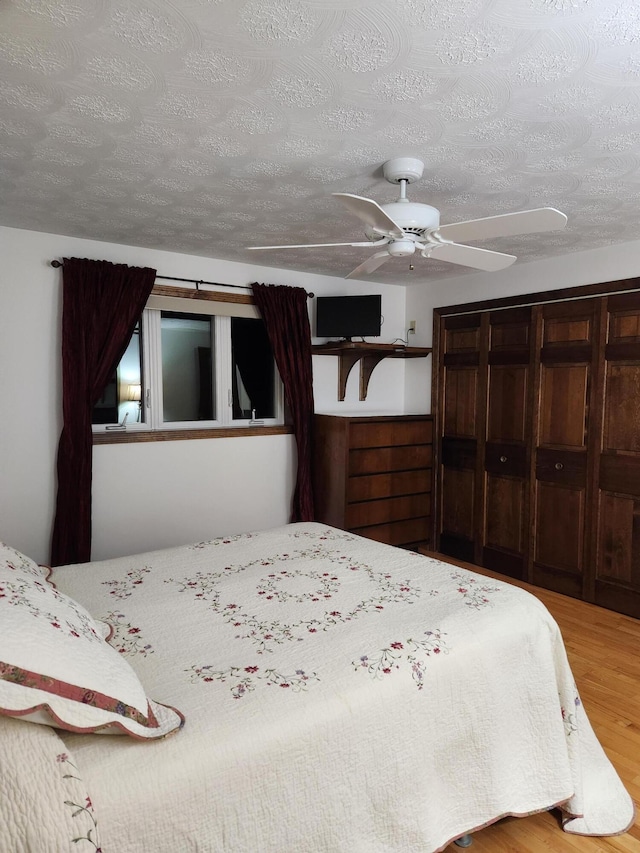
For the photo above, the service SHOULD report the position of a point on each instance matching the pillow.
(55, 667)
(16, 562)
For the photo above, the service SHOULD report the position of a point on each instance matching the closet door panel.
(559, 538)
(504, 513)
(460, 402)
(457, 530)
(507, 402)
(563, 405)
(506, 475)
(617, 581)
(622, 407)
(462, 334)
(457, 508)
(619, 539)
(561, 503)
(504, 459)
(459, 429)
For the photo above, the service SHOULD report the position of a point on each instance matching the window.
(186, 369)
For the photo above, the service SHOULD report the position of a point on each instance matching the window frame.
(222, 307)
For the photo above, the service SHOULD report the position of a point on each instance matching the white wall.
(150, 495)
(611, 263)
(157, 494)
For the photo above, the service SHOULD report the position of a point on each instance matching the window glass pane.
(187, 374)
(130, 387)
(253, 373)
(123, 394)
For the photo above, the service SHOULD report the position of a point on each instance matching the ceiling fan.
(404, 227)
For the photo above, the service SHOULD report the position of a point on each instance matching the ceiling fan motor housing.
(412, 216)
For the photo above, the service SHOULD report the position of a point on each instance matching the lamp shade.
(135, 393)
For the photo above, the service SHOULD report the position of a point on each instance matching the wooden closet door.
(461, 425)
(506, 452)
(617, 580)
(569, 341)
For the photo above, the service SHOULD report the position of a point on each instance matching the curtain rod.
(197, 282)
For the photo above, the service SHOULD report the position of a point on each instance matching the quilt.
(339, 695)
(44, 803)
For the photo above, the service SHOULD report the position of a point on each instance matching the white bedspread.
(340, 695)
(44, 804)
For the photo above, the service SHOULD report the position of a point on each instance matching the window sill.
(187, 434)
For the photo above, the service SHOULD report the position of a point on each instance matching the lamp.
(135, 396)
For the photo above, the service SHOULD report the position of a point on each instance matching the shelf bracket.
(347, 360)
(367, 364)
(369, 356)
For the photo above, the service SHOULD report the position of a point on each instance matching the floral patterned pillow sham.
(55, 667)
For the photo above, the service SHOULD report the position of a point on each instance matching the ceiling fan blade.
(371, 214)
(470, 256)
(315, 245)
(369, 265)
(506, 225)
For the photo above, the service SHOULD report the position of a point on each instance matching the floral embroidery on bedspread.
(325, 536)
(325, 586)
(399, 654)
(474, 593)
(87, 823)
(127, 639)
(221, 540)
(569, 717)
(244, 679)
(265, 633)
(126, 587)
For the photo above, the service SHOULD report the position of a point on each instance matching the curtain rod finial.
(56, 264)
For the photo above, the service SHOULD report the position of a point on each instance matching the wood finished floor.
(604, 652)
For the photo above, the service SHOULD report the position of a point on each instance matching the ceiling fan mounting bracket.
(399, 169)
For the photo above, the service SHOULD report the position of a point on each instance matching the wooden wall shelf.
(369, 356)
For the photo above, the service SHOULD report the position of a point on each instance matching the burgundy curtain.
(284, 312)
(101, 305)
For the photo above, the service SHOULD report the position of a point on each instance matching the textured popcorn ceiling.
(205, 126)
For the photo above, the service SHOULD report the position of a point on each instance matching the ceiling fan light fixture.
(401, 248)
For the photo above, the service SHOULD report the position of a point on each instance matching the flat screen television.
(348, 316)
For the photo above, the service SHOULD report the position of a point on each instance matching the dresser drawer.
(398, 532)
(388, 509)
(381, 459)
(386, 433)
(371, 486)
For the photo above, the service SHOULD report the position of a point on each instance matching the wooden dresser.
(373, 475)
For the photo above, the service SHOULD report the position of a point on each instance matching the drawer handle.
(503, 458)
(559, 466)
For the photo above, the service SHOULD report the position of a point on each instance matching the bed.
(322, 692)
